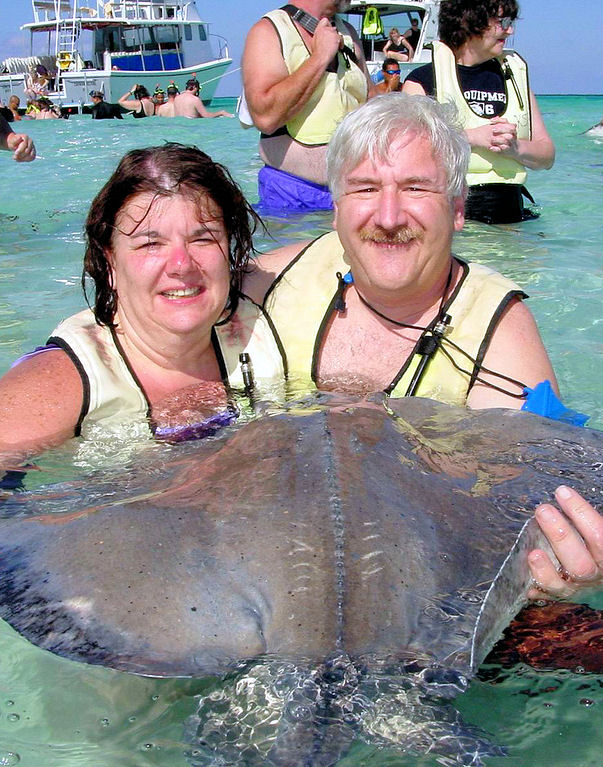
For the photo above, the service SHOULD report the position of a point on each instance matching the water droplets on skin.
(9, 758)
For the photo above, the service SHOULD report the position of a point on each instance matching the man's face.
(391, 72)
(396, 221)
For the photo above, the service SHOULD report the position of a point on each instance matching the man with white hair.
(303, 70)
(383, 304)
(408, 317)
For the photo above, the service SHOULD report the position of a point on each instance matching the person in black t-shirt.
(476, 33)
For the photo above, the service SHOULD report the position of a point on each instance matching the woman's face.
(494, 38)
(169, 265)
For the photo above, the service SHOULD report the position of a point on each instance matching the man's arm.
(203, 112)
(516, 350)
(19, 143)
(273, 95)
(265, 269)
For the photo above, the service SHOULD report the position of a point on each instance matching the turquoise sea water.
(53, 712)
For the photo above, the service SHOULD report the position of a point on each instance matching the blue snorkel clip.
(542, 400)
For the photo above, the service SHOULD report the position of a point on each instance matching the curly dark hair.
(461, 19)
(141, 93)
(165, 171)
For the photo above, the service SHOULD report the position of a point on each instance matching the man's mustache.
(399, 236)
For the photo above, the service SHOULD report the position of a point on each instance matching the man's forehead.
(389, 154)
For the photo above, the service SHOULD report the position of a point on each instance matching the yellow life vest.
(302, 299)
(113, 396)
(336, 94)
(487, 167)
(371, 23)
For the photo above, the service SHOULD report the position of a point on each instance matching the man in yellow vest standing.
(489, 86)
(303, 70)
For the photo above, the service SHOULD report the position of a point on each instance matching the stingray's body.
(392, 536)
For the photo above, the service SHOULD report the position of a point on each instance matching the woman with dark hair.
(168, 240)
(495, 104)
(139, 101)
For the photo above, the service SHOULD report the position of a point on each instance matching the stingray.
(359, 558)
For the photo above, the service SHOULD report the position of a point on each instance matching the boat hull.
(114, 83)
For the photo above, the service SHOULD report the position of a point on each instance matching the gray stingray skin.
(392, 531)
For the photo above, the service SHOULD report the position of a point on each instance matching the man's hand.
(576, 537)
(326, 41)
(22, 146)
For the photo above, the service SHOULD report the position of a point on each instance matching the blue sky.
(561, 40)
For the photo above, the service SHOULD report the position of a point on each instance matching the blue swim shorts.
(281, 192)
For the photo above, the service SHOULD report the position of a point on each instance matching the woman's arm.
(40, 404)
(129, 103)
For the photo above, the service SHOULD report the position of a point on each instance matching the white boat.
(399, 14)
(112, 46)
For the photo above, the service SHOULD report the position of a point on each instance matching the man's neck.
(411, 306)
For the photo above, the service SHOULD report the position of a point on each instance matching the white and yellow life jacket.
(302, 299)
(113, 395)
(336, 94)
(486, 167)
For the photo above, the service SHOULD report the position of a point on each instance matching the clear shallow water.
(53, 712)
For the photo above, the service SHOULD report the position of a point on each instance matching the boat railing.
(222, 45)
(141, 10)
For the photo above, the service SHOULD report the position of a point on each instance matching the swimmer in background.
(188, 103)
(167, 109)
(13, 105)
(138, 100)
(391, 77)
(158, 97)
(19, 143)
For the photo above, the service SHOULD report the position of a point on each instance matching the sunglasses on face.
(392, 71)
(504, 22)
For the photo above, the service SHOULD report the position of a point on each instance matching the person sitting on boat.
(391, 77)
(499, 111)
(168, 239)
(397, 169)
(19, 143)
(303, 69)
(138, 101)
(37, 82)
(188, 103)
(102, 110)
(398, 47)
(168, 109)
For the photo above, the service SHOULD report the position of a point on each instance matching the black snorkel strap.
(309, 23)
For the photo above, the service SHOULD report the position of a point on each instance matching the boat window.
(165, 35)
(202, 33)
(188, 32)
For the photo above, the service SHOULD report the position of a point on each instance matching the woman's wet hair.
(369, 131)
(460, 20)
(141, 93)
(165, 171)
